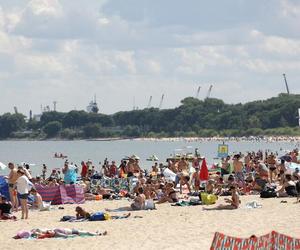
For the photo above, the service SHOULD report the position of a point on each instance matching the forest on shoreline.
(277, 116)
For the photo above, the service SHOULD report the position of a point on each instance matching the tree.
(92, 130)
(10, 123)
(52, 129)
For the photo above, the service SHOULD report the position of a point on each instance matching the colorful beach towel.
(269, 241)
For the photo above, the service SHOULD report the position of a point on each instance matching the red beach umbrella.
(204, 171)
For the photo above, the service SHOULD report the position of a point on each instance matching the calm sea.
(39, 152)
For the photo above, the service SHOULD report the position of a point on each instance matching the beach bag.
(149, 205)
(100, 216)
(268, 192)
(208, 199)
(68, 218)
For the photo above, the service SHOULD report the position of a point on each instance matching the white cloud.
(46, 7)
(69, 50)
(282, 46)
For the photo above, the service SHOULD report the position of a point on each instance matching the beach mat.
(269, 241)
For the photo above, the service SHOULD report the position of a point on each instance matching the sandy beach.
(167, 227)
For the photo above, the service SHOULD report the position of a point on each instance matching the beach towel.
(116, 184)
(253, 204)
(269, 241)
(149, 204)
(169, 175)
(186, 203)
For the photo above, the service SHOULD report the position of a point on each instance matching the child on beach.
(81, 213)
(234, 202)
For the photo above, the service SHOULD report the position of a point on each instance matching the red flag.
(204, 171)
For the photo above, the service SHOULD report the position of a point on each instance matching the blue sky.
(67, 51)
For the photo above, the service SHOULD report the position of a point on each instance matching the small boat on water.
(60, 156)
(152, 158)
(186, 153)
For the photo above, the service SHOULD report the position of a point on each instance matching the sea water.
(42, 152)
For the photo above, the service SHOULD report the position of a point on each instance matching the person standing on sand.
(183, 173)
(238, 169)
(12, 178)
(225, 168)
(23, 187)
(44, 171)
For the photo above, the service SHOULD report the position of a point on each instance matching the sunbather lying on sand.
(82, 214)
(55, 233)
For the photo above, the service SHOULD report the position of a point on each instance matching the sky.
(124, 51)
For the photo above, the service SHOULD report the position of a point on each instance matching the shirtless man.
(225, 168)
(183, 165)
(238, 169)
(183, 172)
(12, 178)
(196, 180)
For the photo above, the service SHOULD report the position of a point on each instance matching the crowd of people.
(259, 172)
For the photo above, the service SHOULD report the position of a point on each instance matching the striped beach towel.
(269, 241)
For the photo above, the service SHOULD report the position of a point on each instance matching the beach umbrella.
(286, 158)
(2, 166)
(204, 171)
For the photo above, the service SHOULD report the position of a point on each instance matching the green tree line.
(194, 117)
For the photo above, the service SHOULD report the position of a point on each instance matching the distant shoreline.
(172, 139)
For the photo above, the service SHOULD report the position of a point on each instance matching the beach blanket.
(269, 241)
(186, 203)
(116, 184)
(253, 204)
(63, 194)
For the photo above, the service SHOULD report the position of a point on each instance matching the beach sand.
(167, 227)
